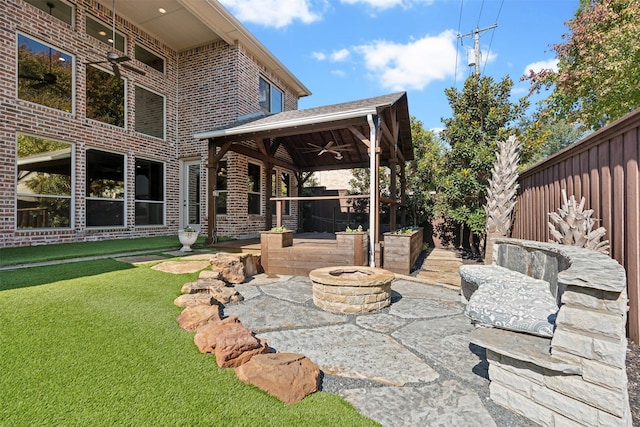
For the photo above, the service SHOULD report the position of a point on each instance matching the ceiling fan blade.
(135, 70)
(116, 70)
(37, 79)
(329, 144)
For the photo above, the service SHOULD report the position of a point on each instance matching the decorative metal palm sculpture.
(501, 194)
(573, 225)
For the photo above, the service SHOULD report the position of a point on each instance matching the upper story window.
(56, 8)
(43, 183)
(104, 33)
(151, 59)
(105, 97)
(149, 112)
(271, 98)
(45, 74)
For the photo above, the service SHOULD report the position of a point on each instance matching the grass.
(96, 343)
(30, 254)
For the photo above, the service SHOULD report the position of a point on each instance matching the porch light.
(162, 10)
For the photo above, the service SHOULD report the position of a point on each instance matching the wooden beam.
(360, 136)
(246, 151)
(223, 150)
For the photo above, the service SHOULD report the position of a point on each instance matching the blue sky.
(344, 50)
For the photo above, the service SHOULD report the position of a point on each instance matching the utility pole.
(476, 43)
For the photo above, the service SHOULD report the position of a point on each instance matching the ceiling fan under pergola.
(112, 57)
(330, 148)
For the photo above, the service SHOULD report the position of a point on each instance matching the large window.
(56, 8)
(44, 74)
(105, 97)
(44, 183)
(103, 32)
(253, 189)
(105, 189)
(149, 112)
(149, 192)
(221, 188)
(151, 59)
(271, 98)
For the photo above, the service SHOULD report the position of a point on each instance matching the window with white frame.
(149, 192)
(221, 188)
(270, 97)
(44, 183)
(105, 97)
(45, 74)
(105, 191)
(103, 32)
(253, 189)
(149, 58)
(149, 112)
(57, 8)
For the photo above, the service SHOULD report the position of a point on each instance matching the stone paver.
(446, 404)
(181, 267)
(417, 351)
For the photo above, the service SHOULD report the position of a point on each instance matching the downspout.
(373, 197)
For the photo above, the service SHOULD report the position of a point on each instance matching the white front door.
(190, 185)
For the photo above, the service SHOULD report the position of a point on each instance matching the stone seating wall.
(578, 376)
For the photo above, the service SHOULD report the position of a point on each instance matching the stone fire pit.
(351, 289)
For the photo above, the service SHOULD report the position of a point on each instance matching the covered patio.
(368, 133)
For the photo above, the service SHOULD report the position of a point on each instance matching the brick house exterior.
(207, 81)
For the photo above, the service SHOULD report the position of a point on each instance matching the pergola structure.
(368, 133)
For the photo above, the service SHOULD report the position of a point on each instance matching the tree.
(423, 173)
(482, 115)
(544, 135)
(598, 73)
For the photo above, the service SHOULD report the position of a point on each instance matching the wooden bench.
(577, 376)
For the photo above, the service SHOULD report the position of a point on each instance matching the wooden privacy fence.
(602, 168)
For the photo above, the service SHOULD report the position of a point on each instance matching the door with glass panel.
(191, 194)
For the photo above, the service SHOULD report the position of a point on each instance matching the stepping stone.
(445, 404)
(440, 277)
(181, 267)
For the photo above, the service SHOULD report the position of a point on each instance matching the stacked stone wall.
(589, 337)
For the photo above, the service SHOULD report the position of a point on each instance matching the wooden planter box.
(401, 251)
(355, 246)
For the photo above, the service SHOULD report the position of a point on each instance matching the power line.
(491, 40)
(455, 70)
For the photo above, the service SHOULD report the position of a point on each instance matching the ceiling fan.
(336, 150)
(113, 58)
(47, 78)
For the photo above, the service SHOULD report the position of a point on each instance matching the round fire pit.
(351, 289)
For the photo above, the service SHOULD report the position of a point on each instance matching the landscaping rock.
(236, 344)
(187, 300)
(213, 287)
(180, 267)
(209, 274)
(195, 316)
(207, 333)
(229, 266)
(288, 376)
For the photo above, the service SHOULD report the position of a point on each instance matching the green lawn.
(96, 343)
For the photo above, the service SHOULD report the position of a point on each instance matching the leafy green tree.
(423, 173)
(544, 135)
(482, 115)
(598, 73)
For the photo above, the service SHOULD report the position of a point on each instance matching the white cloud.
(340, 55)
(338, 73)
(413, 65)
(386, 4)
(319, 56)
(274, 13)
(335, 56)
(550, 64)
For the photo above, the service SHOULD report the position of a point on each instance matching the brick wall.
(204, 87)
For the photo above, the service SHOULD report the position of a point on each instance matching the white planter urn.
(187, 238)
